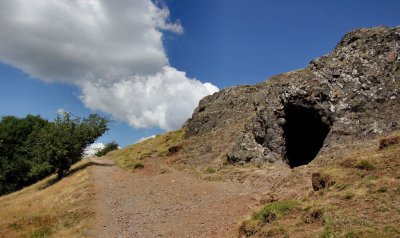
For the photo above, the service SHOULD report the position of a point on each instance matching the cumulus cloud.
(145, 138)
(112, 50)
(92, 149)
(159, 99)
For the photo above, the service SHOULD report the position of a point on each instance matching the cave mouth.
(304, 133)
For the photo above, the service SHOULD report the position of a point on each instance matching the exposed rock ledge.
(351, 93)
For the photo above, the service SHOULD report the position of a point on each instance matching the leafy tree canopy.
(16, 143)
(32, 148)
(63, 142)
(109, 147)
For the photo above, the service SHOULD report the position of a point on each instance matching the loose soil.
(161, 201)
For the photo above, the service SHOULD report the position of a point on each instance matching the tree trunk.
(60, 174)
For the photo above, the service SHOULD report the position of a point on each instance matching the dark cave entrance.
(304, 132)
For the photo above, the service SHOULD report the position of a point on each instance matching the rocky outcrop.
(351, 93)
(221, 109)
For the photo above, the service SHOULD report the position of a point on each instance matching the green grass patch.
(41, 233)
(280, 207)
(210, 170)
(269, 214)
(364, 165)
(373, 177)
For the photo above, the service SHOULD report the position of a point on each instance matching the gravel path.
(159, 201)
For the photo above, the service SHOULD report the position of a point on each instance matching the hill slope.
(49, 208)
(174, 200)
(299, 155)
(350, 193)
(358, 195)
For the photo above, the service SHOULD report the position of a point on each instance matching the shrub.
(138, 165)
(109, 147)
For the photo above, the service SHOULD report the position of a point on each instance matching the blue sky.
(221, 42)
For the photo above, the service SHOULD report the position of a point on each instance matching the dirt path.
(159, 201)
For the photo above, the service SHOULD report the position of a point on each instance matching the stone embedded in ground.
(174, 149)
(314, 216)
(351, 94)
(383, 143)
(321, 181)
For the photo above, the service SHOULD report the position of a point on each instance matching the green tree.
(32, 148)
(16, 158)
(62, 142)
(109, 147)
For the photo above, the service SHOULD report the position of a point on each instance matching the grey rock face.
(351, 93)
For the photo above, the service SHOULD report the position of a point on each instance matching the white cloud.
(145, 138)
(92, 149)
(165, 99)
(61, 111)
(112, 50)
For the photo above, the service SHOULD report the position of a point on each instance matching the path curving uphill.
(160, 201)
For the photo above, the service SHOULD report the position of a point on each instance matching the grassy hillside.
(49, 208)
(362, 201)
(359, 197)
(132, 156)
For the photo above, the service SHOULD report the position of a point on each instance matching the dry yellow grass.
(50, 208)
(158, 146)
